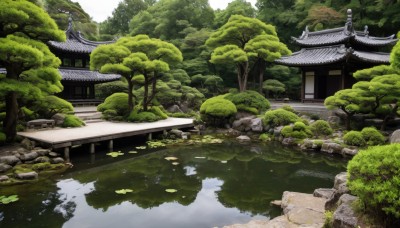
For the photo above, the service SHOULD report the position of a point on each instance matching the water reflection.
(217, 185)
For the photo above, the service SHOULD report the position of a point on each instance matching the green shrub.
(3, 137)
(51, 105)
(279, 117)
(354, 138)
(118, 103)
(158, 112)
(105, 90)
(249, 101)
(29, 114)
(289, 108)
(374, 176)
(321, 128)
(299, 131)
(264, 137)
(217, 111)
(142, 117)
(372, 136)
(72, 121)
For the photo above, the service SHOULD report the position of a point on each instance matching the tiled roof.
(315, 56)
(331, 54)
(76, 43)
(375, 41)
(372, 57)
(321, 38)
(83, 75)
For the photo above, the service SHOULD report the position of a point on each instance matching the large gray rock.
(232, 132)
(41, 152)
(27, 144)
(27, 176)
(240, 115)
(174, 109)
(4, 178)
(10, 160)
(325, 193)
(57, 160)
(4, 167)
(29, 156)
(176, 132)
(256, 125)
(58, 119)
(340, 179)
(309, 144)
(243, 124)
(344, 216)
(331, 148)
(277, 131)
(289, 141)
(395, 137)
(41, 159)
(349, 152)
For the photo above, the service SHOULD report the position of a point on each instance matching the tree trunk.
(391, 115)
(153, 89)
(261, 75)
(130, 95)
(10, 121)
(146, 92)
(243, 74)
(239, 77)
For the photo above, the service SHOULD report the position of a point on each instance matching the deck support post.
(150, 136)
(66, 154)
(110, 145)
(92, 148)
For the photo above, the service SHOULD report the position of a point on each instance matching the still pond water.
(218, 184)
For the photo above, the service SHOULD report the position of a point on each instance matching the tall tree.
(236, 7)
(31, 67)
(245, 41)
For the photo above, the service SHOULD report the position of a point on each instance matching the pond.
(217, 185)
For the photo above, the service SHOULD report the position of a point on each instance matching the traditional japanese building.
(328, 58)
(78, 80)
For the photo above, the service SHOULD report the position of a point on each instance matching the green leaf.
(115, 154)
(123, 191)
(171, 190)
(9, 199)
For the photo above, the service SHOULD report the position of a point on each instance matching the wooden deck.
(101, 131)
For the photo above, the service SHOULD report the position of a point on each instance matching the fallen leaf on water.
(123, 191)
(171, 190)
(132, 152)
(175, 163)
(171, 158)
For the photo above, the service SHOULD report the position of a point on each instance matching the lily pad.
(155, 144)
(171, 190)
(200, 157)
(132, 152)
(171, 158)
(123, 191)
(115, 154)
(141, 147)
(9, 199)
(175, 163)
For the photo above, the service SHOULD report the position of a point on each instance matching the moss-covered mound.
(217, 111)
(279, 117)
(72, 121)
(153, 114)
(249, 101)
(115, 107)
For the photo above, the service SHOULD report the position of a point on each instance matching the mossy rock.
(72, 121)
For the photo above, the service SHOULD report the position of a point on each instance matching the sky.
(100, 10)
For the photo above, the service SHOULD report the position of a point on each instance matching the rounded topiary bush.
(50, 105)
(299, 131)
(249, 101)
(105, 90)
(153, 114)
(118, 103)
(372, 136)
(374, 176)
(217, 111)
(279, 117)
(321, 128)
(72, 121)
(354, 138)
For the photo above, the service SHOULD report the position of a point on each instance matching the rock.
(240, 115)
(304, 209)
(276, 203)
(243, 138)
(340, 179)
(395, 137)
(331, 148)
(344, 216)
(349, 152)
(309, 144)
(53, 154)
(277, 131)
(27, 176)
(334, 120)
(256, 125)
(4, 178)
(4, 167)
(10, 160)
(41, 152)
(289, 141)
(58, 119)
(243, 124)
(176, 132)
(57, 160)
(28, 144)
(325, 193)
(251, 224)
(174, 109)
(186, 135)
(42, 159)
(233, 132)
(29, 156)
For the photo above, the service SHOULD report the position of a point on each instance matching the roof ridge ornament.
(70, 21)
(348, 28)
(305, 33)
(366, 32)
